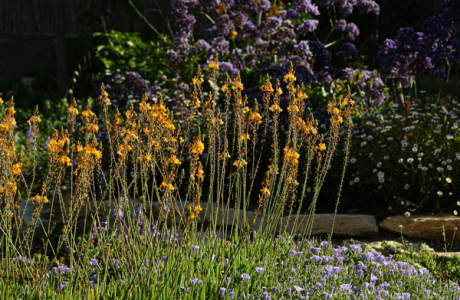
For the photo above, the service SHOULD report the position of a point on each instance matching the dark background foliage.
(29, 43)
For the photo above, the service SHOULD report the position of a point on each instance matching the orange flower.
(198, 147)
(64, 160)
(265, 191)
(214, 65)
(245, 136)
(17, 169)
(289, 76)
(73, 111)
(321, 147)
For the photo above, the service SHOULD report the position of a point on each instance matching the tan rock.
(424, 227)
(349, 225)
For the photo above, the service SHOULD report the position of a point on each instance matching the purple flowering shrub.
(435, 49)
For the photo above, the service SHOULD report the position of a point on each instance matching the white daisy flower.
(410, 160)
(356, 179)
(406, 187)
(363, 144)
(419, 166)
(448, 180)
(414, 149)
(435, 131)
(351, 182)
(449, 167)
(420, 154)
(449, 137)
(370, 154)
(375, 170)
(390, 138)
(379, 165)
(440, 169)
(455, 212)
(353, 160)
(386, 157)
(400, 160)
(458, 203)
(439, 193)
(407, 214)
(430, 165)
(405, 173)
(449, 161)
(381, 179)
(424, 168)
(444, 163)
(457, 155)
(309, 190)
(370, 137)
(369, 123)
(380, 174)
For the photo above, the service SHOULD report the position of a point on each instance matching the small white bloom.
(363, 144)
(380, 174)
(440, 169)
(444, 163)
(375, 170)
(370, 138)
(457, 155)
(455, 212)
(351, 182)
(309, 190)
(400, 160)
(410, 160)
(448, 180)
(379, 165)
(449, 167)
(414, 149)
(430, 165)
(381, 179)
(405, 173)
(420, 154)
(435, 131)
(370, 154)
(419, 166)
(356, 179)
(439, 193)
(386, 157)
(449, 161)
(390, 138)
(449, 137)
(458, 203)
(353, 160)
(424, 168)
(407, 186)
(407, 214)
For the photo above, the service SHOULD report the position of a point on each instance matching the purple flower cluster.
(433, 49)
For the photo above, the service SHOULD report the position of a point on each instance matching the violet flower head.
(259, 270)
(298, 288)
(352, 30)
(245, 276)
(308, 26)
(305, 6)
(348, 51)
(341, 25)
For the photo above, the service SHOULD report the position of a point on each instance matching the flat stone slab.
(423, 227)
(349, 225)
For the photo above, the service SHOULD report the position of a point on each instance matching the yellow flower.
(197, 80)
(233, 35)
(275, 107)
(345, 102)
(240, 163)
(289, 76)
(237, 85)
(87, 113)
(34, 119)
(265, 191)
(17, 169)
(198, 147)
(64, 160)
(245, 110)
(321, 147)
(245, 136)
(279, 91)
(214, 65)
(225, 88)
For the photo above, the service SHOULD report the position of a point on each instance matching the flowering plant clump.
(435, 49)
(151, 158)
(407, 157)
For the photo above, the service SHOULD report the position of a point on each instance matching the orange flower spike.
(214, 65)
(321, 147)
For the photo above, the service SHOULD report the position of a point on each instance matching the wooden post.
(62, 80)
